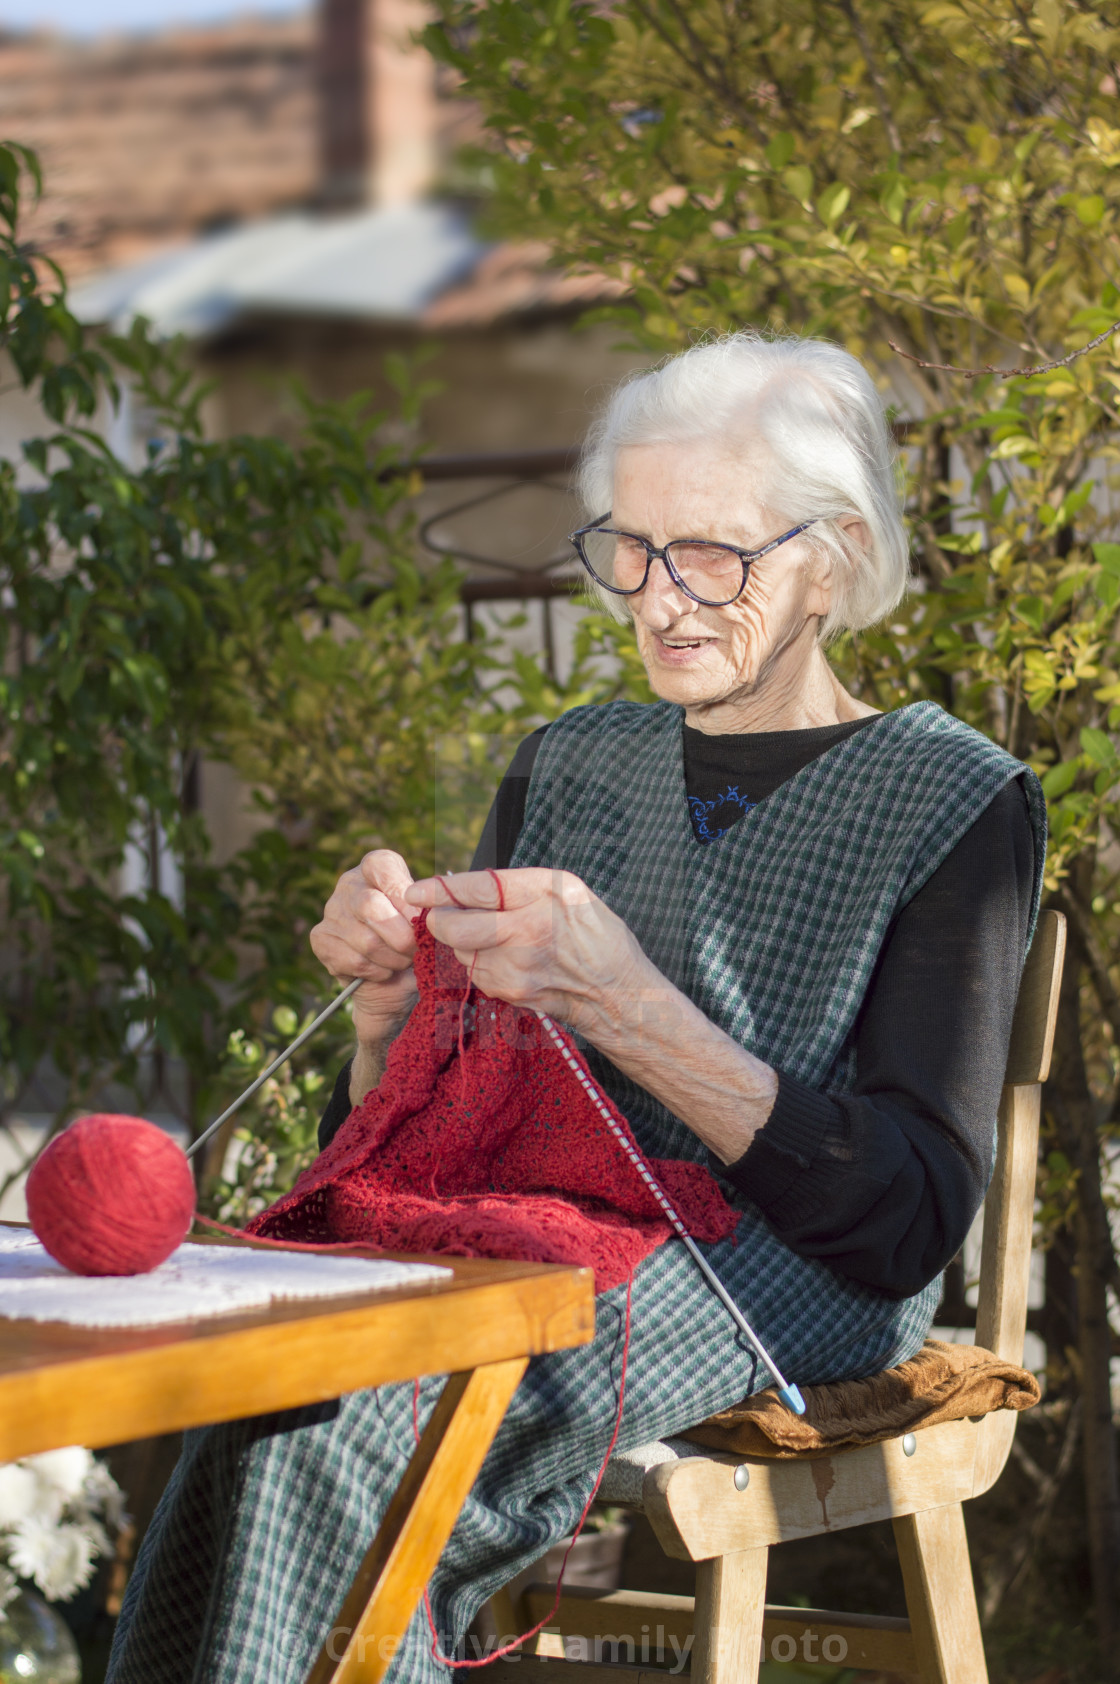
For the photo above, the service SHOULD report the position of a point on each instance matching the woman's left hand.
(545, 942)
(555, 947)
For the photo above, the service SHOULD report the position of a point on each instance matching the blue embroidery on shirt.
(704, 813)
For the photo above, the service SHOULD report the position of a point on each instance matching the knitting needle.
(788, 1393)
(328, 1011)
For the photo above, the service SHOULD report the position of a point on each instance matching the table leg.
(418, 1522)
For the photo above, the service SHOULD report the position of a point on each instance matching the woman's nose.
(662, 600)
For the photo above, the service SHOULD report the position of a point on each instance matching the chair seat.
(699, 1509)
(624, 1479)
(941, 1383)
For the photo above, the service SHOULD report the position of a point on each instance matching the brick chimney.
(377, 103)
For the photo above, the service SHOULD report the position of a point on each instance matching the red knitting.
(480, 1142)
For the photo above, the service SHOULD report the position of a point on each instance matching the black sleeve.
(883, 1183)
(495, 849)
(507, 813)
(338, 1107)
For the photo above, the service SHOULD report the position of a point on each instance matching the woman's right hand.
(366, 931)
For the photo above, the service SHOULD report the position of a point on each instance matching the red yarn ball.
(111, 1196)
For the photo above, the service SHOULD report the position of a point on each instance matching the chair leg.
(937, 1573)
(730, 1602)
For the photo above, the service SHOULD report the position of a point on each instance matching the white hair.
(829, 452)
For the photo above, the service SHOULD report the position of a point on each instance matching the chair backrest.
(1001, 1313)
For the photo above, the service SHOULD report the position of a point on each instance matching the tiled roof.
(418, 263)
(515, 279)
(375, 265)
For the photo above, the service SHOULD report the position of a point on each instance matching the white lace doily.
(196, 1280)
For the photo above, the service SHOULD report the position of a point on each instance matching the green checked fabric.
(774, 931)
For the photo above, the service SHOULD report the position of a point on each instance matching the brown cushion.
(942, 1383)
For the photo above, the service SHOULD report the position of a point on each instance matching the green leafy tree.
(140, 606)
(244, 601)
(936, 184)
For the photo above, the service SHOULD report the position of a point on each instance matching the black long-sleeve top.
(882, 1183)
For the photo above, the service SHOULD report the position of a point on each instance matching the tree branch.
(1096, 958)
(1008, 373)
(889, 124)
(1013, 1570)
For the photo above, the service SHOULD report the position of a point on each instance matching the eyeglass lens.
(710, 570)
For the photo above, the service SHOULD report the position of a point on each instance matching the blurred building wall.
(147, 141)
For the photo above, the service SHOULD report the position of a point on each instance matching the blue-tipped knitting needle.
(304, 1035)
(788, 1392)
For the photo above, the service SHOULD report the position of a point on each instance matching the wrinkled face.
(695, 655)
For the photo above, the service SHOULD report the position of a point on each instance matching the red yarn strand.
(288, 1245)
(490, 872)
(467, 985)
(462, 1012)
(508, 1648)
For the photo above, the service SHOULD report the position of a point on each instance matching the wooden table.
(480, 1325)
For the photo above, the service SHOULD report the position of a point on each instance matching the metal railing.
(517, 468)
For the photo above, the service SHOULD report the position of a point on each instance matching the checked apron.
(774, 931)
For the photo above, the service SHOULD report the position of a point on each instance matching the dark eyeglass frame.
(746, 557)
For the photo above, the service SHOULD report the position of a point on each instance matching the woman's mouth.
(680, 651)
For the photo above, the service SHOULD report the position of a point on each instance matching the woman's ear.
(824, 575)
(818, 600)
(857, 530)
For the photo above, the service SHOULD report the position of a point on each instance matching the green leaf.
(1016, 444)
(893, 199)
(833, 202)
(1108, 557)
(1033, 610)
(798, 181)
(1090, 210)
(1098, 747)
(780, 150)
(1058, 779)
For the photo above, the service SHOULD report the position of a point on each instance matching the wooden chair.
(725, 1513)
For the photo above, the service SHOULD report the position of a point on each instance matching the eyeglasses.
(711, 574)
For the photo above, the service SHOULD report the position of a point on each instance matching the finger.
(473, 929)
(356, 902)
(387, 871)
(346, 961)
(489, 890)
(386, 922)
(368, 924)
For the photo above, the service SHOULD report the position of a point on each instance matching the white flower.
(51, 1512)
(62, 1471)
(18, 1494)
(58, 1558)
(101, 1497)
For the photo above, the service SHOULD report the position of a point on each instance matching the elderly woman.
(788, 930)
